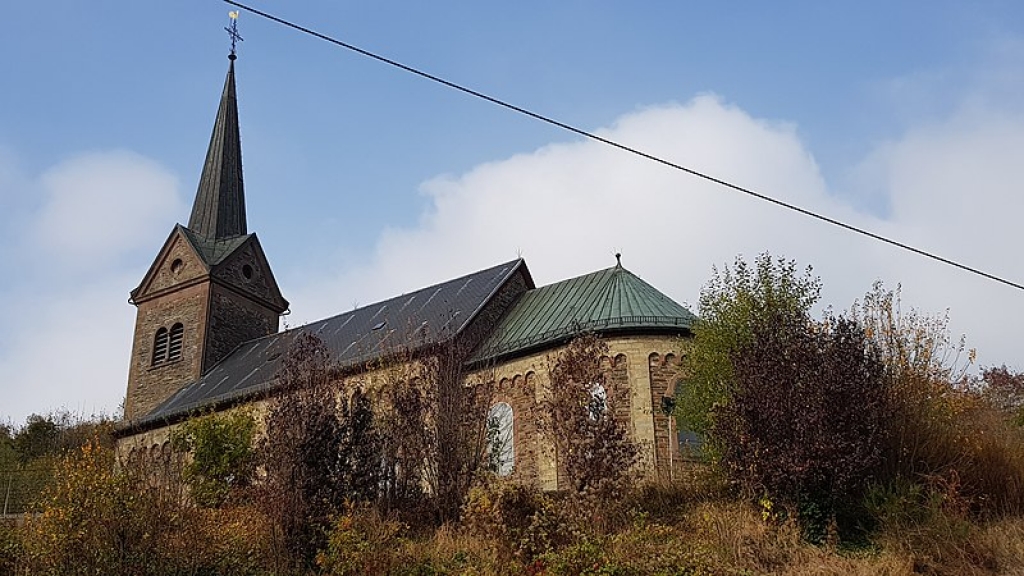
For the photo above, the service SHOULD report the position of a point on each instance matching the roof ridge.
(352, 337)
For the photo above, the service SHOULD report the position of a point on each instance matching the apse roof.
(413, 320)
(610, 300)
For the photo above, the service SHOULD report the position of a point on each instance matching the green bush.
(221, 455)
(730, 303)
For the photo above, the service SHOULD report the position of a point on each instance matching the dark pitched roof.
(219, 208)
(611, 300)
(213, 251)
(414, 320)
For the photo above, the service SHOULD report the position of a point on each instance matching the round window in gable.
(247, 272)
(176, 266)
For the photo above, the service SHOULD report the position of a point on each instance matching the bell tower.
(210, 287)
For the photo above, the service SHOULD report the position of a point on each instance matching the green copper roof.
(611, 300)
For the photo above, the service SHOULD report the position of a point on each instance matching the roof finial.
(233, 33)
(618, 259)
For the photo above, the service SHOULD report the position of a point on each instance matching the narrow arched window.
(500, 439)
(597, 405)
(690, 444)
(174, 345)
(160, 347)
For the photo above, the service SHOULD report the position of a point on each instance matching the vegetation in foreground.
(851, 444)
(694, 527)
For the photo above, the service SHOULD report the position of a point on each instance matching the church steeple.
(210, 288)
(219, 208)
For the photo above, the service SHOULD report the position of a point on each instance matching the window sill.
(164, 364)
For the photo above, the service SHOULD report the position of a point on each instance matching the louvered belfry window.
(160, 347)
(167, 345)
(174, 346)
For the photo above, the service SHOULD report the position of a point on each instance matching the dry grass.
(742, 543)
(709, 537)
(693, 527)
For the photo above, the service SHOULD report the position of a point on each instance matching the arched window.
(500, 439)
(174, 346)
(598, 404)
(160, 347)
(689, 443)
(167, 344)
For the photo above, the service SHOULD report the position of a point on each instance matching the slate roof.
(610, 300)
(417, 319)
(219, 208)
(214, 250)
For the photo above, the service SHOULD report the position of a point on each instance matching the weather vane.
(233, 32)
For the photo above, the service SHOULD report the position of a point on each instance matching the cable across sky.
(637, 152)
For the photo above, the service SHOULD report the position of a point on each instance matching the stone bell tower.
(210, 287)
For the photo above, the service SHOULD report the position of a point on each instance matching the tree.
(593, 448)
(40, 436)
(29, 454)
(322, 450)
(807, 416)
(1004, 388)
(361, 451)
(301, 451)
(435, 423)
(456, 428)
(731, 304)
(927, 379)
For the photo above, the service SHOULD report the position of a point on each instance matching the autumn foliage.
(593, 448)
(855, 443)
(807, 417)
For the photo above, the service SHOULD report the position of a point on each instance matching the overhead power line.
(631, 150)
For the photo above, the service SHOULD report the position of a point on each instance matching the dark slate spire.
(219, 208)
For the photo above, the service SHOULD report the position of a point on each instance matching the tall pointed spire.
(219, 208)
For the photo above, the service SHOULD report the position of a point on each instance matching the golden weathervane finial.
(233, 33)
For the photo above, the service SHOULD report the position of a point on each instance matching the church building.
(207, 333)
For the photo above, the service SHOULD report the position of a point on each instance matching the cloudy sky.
(364, 182)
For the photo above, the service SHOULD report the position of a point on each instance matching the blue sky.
(363, 181)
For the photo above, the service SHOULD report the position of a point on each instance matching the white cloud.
(68, 350)
(567, 207)
(952, 187)
(67, 329)
(955, 190)
(101, 205)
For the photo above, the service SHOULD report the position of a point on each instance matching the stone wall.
(665, 371)
(180, 265)
(234, 319)
(248, 270)
(639, 370)
(150, 385)
(524, 383)
(519, 392)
